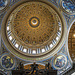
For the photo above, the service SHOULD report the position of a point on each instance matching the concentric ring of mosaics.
(33, 29)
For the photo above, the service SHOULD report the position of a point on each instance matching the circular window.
(33, 28)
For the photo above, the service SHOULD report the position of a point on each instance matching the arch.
(68, 39)
(32, 63)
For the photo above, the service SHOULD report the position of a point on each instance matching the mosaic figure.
(59, 61)
(69, 6)
(3, 4)
(7, 62)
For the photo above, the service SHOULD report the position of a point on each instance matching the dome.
(33, 29)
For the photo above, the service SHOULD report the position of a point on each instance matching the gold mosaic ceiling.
(34, 28)
(37, 32)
